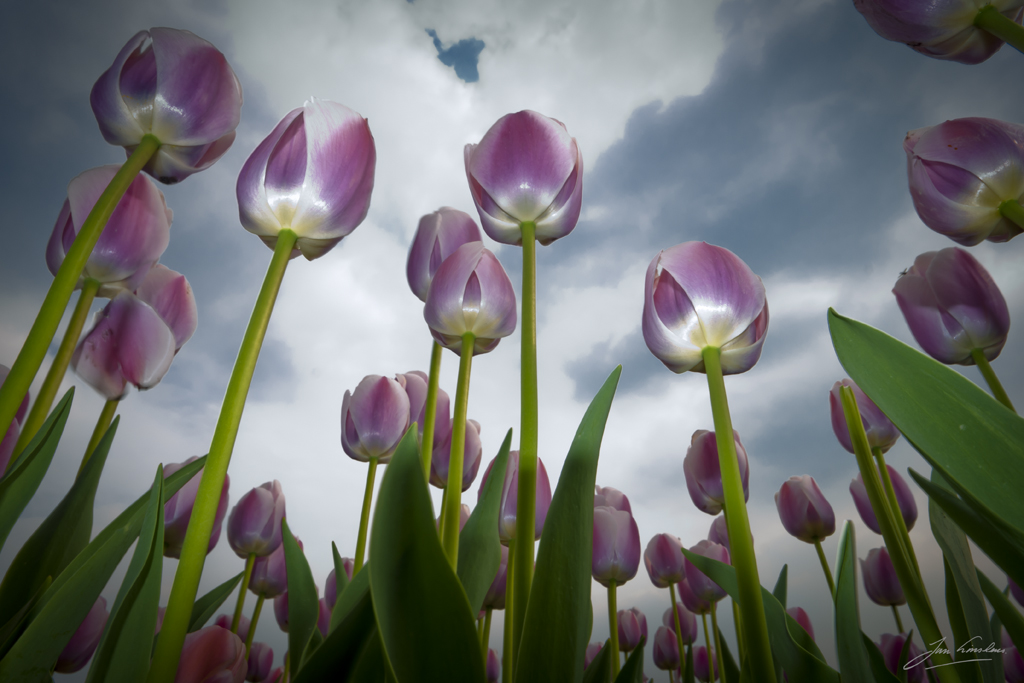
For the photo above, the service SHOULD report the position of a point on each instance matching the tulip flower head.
(79, 650)
(471, 293)
(254, 525)
(800, 614)
(702, 587)
(526, 168)
(471, 458)
(616, 550)
(703, 474)
(612, 498)
(10, 438)
(212, 654)
(892, 647)
(510, 494)
(880, 580)
(331, 587)
(173, 85)
(687, 622)
(697, 295)
(224, 621)
(632, 625)
(281, 611)
(495, 598)
(415, 384)
(952, 306)
(269, 573)
(592, 651)
(261, 659)
(664, 560)
(691, 601)
(666, 649)
(804, 511)
(882, 433)
(719, 532)
(313, 175)
(492, 666)
(705, 665)
(1013, 663)
(178, 510)
(904, 496)
(374, 418)
(437, 237)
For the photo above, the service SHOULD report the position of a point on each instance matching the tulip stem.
(364, 518)
(718, 643)
(240, 603)
(613, 624)
(252, 624)
(675, 618)
(506, 645)
(453, 501)
(991, 20)
(197, 538)
(430, 410)
(102, 424)
(33, 351)
(990, 377)
(55, 375)
(739, 630)
(917, 597)
(825, 568)
(707, 642)
(897, 512)
(899, 622)
(754, 625)
(485, 636)
(440, 514)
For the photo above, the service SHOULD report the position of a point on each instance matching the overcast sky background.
(771, 128)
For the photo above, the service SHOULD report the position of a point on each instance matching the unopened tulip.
(212, 654)
(224, 621)
(615, 498)
(331, 588)
(526, 168)
(269, 573)
(800, 614)
(471, 293)
(705, 666)
(952, 306)
(904, 496)
(691, 601)
(493, 666)
(664, 561)
(698, 295)
(592, 651)
(632, 625)
(437, 237)
(687, 622)
(719, 532)
(178, 510)
(1013, 663)
(510, 493)
(374, 418)
(804, 511)
(261, 659)
(470, 463)
(77, 653)
(280, 611)
(495, 598)
(616, 550)
(254, 525)
(10, 438)
(702, 587)
(323, 619)
(313, 175)
(882, 433)
(666, 649)
(464, 513)
(415, 385)
(880, 580)
(703, 474)
(275, 676)
(892, 646)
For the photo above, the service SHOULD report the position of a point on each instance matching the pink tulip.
(882, 433)
(880, 580)
(616, 549)
(612, 498)
(374, 418)
(79, 650)
(801, 617)
(212, 654)
(178, 510)
(904, 497)
(254, 525)
(664, 560)
(687, 621)
(702, 587)
(510, 493)
(703, 474)
(437, 237)
(804, 512)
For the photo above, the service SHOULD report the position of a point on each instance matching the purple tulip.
(1015, 590)
(526, 168)
(471, 293)
(800, 615)
(592, 651)
(632, 625)
(719, 532)
(664, 561)
(616, 546)
(224, 621)
(698, 295)
(374, 418)
(952, 306)
(612, 498)
(892, 646)
(687, 622)
(275, 675)
(470, 461)
(437, 237)
(323, 619)
(904, 496)
(79, 650)
(464, 513)
(495, 598)
(666, 649)
(415, 384)
(212, 654)
(804, 511)
(313, 174)
(331, 588)
(169, 294)
(10, 438)
(702, 587)
(254, 525)
(269, 573)
(691, 601)
(178, 510)
(880, 580)
(705, 665)
(261, 659)
(510, 493)
(1013, 663)
(703, 475)
(493, 666)
(281, 611)
(882, 433)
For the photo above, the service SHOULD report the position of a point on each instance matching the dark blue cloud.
(462, 56)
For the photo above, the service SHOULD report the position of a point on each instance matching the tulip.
(509, 497)
(281, 611)
(904, 496)
(703, 473)
(687, 622)
(77, 653)
(801, 617)
(269, 573)
(464, 513)
(882, 433)
(700, 584)
(691, 601)
(471, 294)
(719, 532)
(224, 621)
(632, 625)
(664, 560)
(612, 498)
(804, 511)
(10, 437)
(1013, 663)
(331, 589)
(212, 654)
(323, 619)
(880, 581)
(526, 168)
(666, 649)
(471, 459)
(415, 385)
(495, 598)
(592, 650)
(891, 647)
(616, 551)
(275, 676)
(493, 666)
(178, 510)
(261, 659)
(437, 237)
(373, 419)
(254, 525)
(312, 175)
(705, 668)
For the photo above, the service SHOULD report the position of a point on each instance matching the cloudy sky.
(771, 128)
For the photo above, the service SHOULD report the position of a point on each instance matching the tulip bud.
(212, 654)
(178, 510)
(331, 589)
(698, 295)
(10, 438)
(882, 433)
(510, 493)
(952, 306)
(880, 580)
(224, 621)
(891, 647)
(666, 649)
(687, 621)
(415, 385)
(323, 619)
(904, 496)
(495, 598)
(471, 293)
(79, 650)
(281, 611)
(663, 559)
(616, 550)
(437, 237)
(592, 650)
(690, 601)
(804, 511)
(612, 498)
(801, 617)
(374, 418)
(261, 659)
(254, 525)
(702, 587)
(493, 666)
(464, 513)
(1013, 664)
(470, 462)
(632, 625)
(705, 665)
(526, 168)
(170, 295)
(703, 474)
(269, 573)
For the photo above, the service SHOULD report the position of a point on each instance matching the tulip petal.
(989, 150)
(379, 410)
(286, 171)
(117, 123)
(967, 292)
(679, 354)
(254, 210)
(448, 288)
(95, 359)
(145, 344)
(743, 352)
(563, 214)
(170, 295)
(938, 333)
(57, 246)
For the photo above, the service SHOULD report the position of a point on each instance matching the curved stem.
(485, 637)
(102, 424)
(989, 19)
(675, 619)
(899, 622)
(613, 624)
(897, 511)
(825, 568)
(430, 410)
(457, 457)
(33, 351)
(240, 603)
(718, 642)
(193, 555)
(364, 518)
(252, 624)
(990, 377)
(506, 645)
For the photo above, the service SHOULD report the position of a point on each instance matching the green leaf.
(688, 676)
(996, 629)
(372, 666)
(600, 669)
(780, 586)
(1011, 619)
(61, 536)
(879, 670)
(633, 670)
(958, 624)
(556, 631)
(124, 650)
(22, 479)
(853, 658)
(340, 583)
(13, 629)
(206, 606)
(303, 604)
(479, 546)
(424, 618)
(731, 674)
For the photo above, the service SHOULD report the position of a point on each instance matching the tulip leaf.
(206, 606)
(688, 676)
(303, 604)
(996, 629)
(22, 479)
(11, 631)
(879, 670)
(1008, 615)
(780, 590)
(371, 667)
(732, 672)
(340, 581)
(633, 670)
(124, 649)
(479, 546)
(600, 669)
(413, 584)
(557, 629)
(854, 664)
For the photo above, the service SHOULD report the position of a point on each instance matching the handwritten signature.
(939, 647)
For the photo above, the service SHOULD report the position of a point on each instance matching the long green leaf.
(969, 672)
(780, 590)
(879, 670)
(303, 605)
(479, 546)
(1011, 619)
(996, 629)
(340, 583)
(206, 606)
(633, 670)
(12, 630)
(556, 630)
(731, 674)
(600, 669)
(688, 676)
(423, 615)
(854, 664)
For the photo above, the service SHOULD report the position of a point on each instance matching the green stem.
(613, 624)
(55, 375)
(917, 597)
(190, 567)
(485, 638)
(989, 19)
(899, 622)
(287, 661)
(990, 377)
(240, 603)
(675, 618)
(506, 645)
(102, 424)
(825, 568)
(897, 511)
(707, 643)
(754, 625)
(33, 351)
(440, 515)
(364, 518)
(453, 501)
(739, 630)
(718, 643)
(252, 624)
(430, 411)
